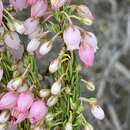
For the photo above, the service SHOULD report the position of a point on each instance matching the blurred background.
(111, 72)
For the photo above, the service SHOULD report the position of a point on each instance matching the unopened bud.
(90, 86)
(92, 101)
(56, 88)
(19, 27)
(23, 88)
(4, 116)
(33, 45)
(45, 48)
(88, 126)
(17, 82)
(98, 112)
(69, 126)
(54, 66)
(49, 117)
(85, 14)
(44, 93)
(86, 21)
(52, 101)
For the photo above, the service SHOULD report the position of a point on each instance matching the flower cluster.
(26, 100)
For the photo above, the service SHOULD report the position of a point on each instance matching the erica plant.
(49, 99)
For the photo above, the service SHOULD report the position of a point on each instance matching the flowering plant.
(32, 99)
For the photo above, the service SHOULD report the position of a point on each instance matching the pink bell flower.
(85, 12)
(17, 53)
(30, 26)
(86, 54)
(8, 101)
(19, 4)
(38, 111)
(1, 73)
(1, 11)
(91, 40)
(31, 2)
(19, 117)
(72, 37)
(39, 8)
(56, 4)
(12, 40)
(24, 101)
(33, 45)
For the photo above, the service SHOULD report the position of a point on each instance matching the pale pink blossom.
(98, 112)
(39, 8)
(56, 4)
(8, 101)
(1, 73)
(30, 26)
(38, 111)
(18, 4)
(54, 65)
(33, 45)
(72, 37)
(86, 54)
(24, 101)
(1, 11)
(85, 12)
(31, 2)
(91, 40)
(56, 88)
(45, 48)
(19, 116)
(17, 53)
(12, 40)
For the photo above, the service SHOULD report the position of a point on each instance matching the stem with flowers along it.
(35, 99)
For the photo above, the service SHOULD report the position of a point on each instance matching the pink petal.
(24, 101)
(86, 54)
(8, 101)
(17, 53)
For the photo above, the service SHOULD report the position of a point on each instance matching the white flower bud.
(23, 88)
(69, 126)
(54, 66)
(52, 101)
(90, 86)
(44, 93)
(98, 112)
(4, 116)
(56, 88)
(33, 45)
(19, 27)
(49, 117)
(17, 83)
(45, 48)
